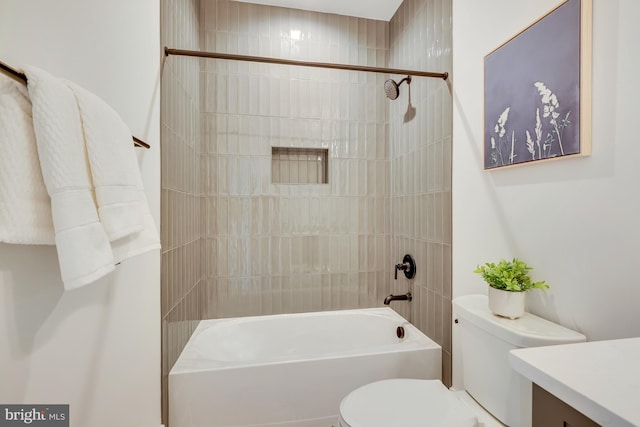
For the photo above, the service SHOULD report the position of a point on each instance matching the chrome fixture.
(408, 266)
(405, 297)
(392, 89)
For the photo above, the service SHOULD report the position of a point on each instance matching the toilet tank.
(486, 340)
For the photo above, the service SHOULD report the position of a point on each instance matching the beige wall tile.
(276, 248)
(420, 37)
(306, 228)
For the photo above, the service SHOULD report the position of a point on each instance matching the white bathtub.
(292, 369)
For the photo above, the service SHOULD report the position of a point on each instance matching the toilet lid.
(405, 403)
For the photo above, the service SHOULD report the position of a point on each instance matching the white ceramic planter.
(505, 303)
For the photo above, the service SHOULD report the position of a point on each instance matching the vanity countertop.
(601, 379)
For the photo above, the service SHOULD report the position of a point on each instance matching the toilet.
(493, 395)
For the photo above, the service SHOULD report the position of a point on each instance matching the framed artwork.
(537, 90)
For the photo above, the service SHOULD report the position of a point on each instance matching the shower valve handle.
(403, 267)
(408, 265)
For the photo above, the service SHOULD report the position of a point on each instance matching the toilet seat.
(405, 403)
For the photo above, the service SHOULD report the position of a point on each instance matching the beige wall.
(276, 248)
(420, 131)
(96, 348)
(184, 291)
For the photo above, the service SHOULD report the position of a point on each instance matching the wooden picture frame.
(537, 90)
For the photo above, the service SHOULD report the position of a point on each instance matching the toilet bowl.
(486, 341)
(411, 403)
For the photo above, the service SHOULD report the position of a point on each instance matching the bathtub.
(293, 369)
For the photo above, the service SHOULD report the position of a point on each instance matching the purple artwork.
(532, 92)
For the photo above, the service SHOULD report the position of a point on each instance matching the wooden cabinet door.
(549, 411)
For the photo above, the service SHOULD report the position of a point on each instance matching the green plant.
(510, 276)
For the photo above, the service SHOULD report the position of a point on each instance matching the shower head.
(391, 88)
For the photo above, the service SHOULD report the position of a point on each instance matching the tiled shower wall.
(420, 128)
(274, 248)
(234, 243)
(183, 284)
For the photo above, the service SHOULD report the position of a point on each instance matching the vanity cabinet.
(549, 411)
(600, 379)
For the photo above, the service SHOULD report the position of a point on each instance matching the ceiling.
(382, 10)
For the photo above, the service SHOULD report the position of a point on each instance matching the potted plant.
(508, 281)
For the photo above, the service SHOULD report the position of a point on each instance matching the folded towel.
(99, 211)
(122, 204)
(113, 164)
(25, 207)
(84, 252)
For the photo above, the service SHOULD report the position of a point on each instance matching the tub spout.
(405, 297)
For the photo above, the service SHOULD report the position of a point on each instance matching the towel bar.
(22, 78)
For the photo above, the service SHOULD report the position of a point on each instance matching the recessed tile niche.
(299, 165)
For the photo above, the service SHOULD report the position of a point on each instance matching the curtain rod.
(215, 55)
(22, 78)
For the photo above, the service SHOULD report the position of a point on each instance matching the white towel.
(113, 164)
(84, 252)
(73, 147)
(25, 207)
(122, 204)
